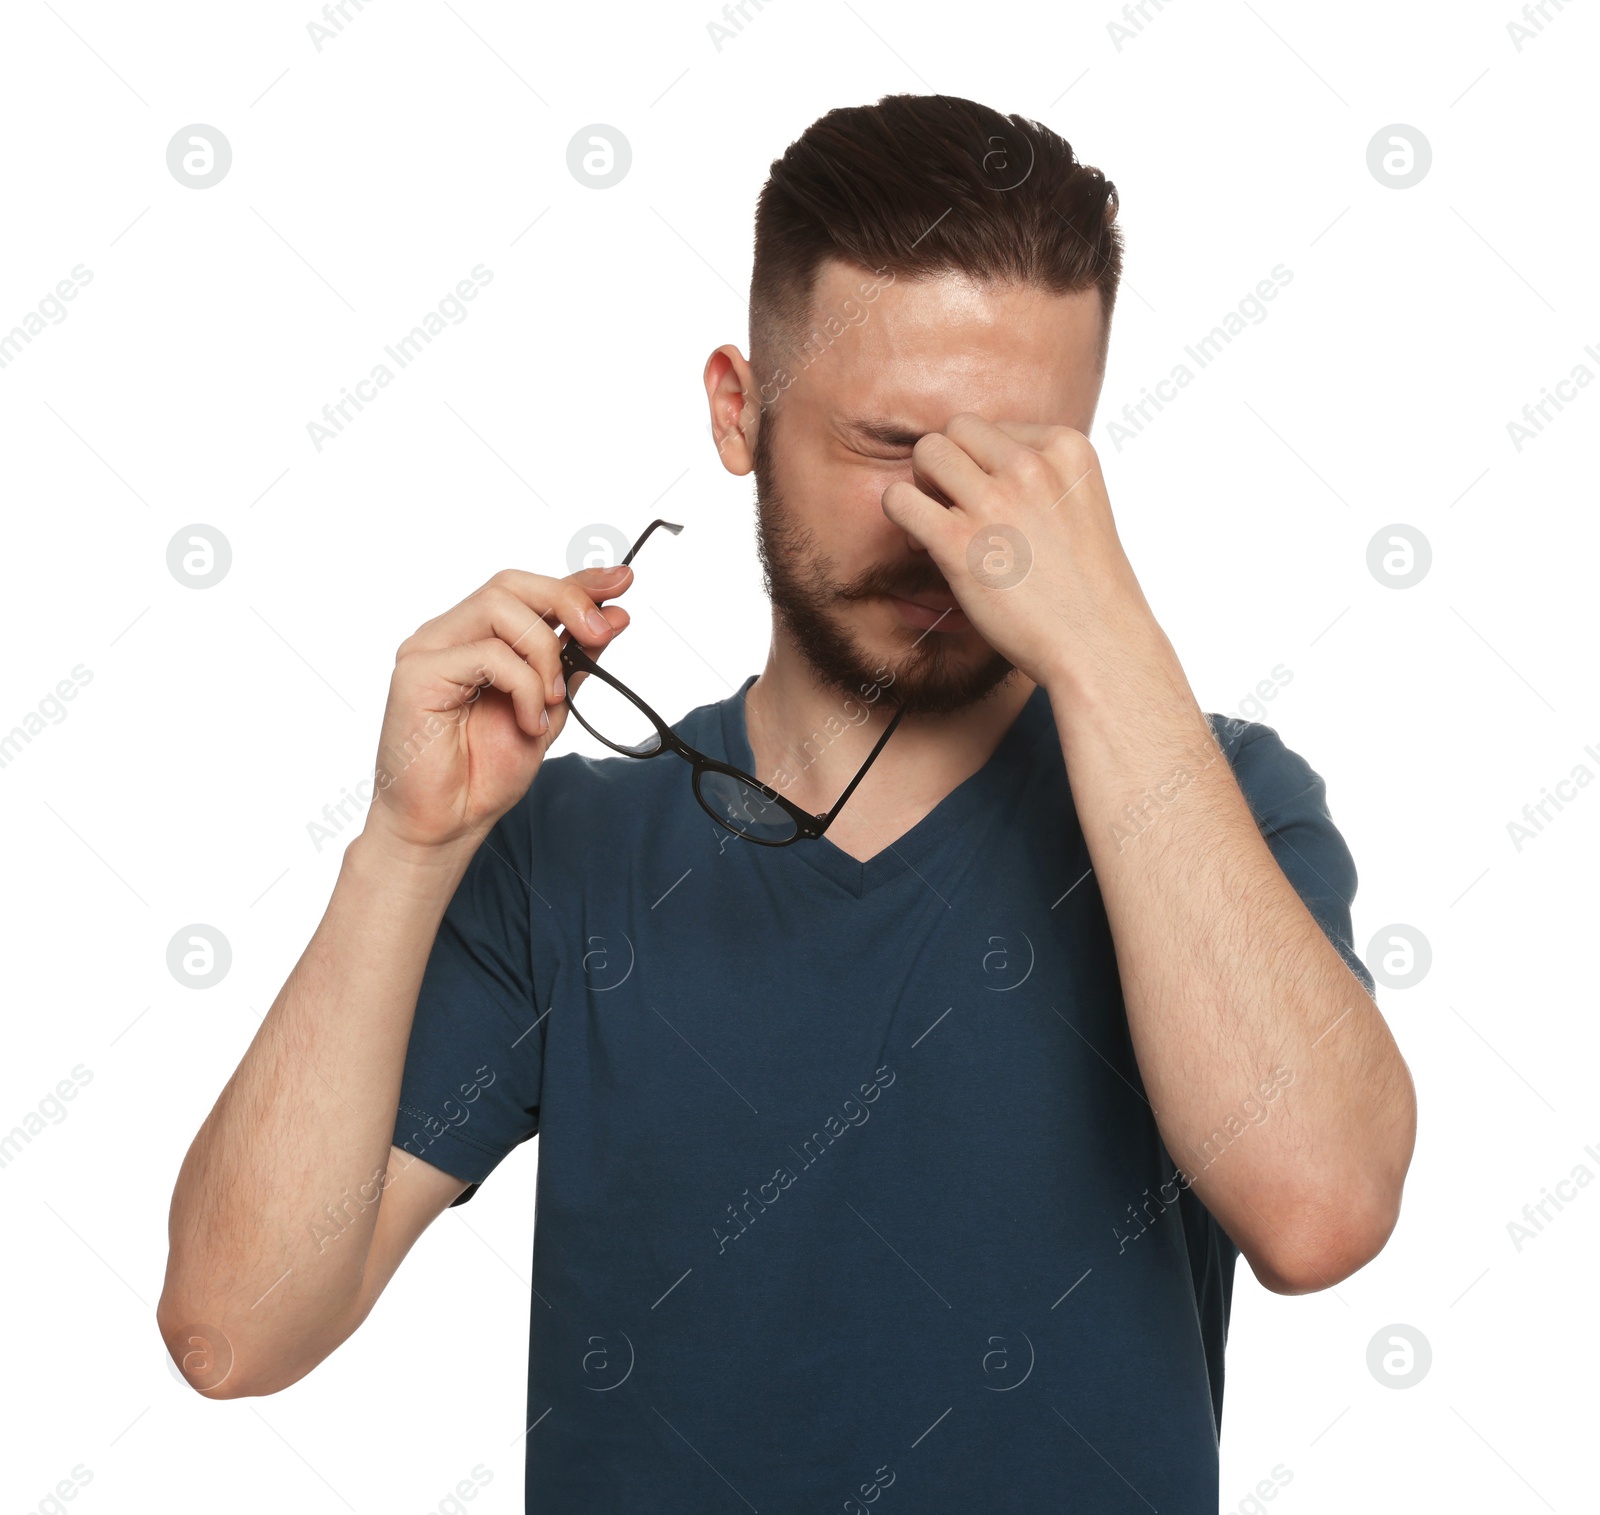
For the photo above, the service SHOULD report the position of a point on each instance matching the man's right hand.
(477, 698)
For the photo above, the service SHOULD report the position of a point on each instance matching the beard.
(929, 676)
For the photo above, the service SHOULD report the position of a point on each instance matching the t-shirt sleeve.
(1290, 802)
(474, 1064)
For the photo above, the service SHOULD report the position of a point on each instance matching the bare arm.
(302, 1134)
(292, 1208)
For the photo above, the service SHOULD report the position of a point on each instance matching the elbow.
(1326, 1242)
(206, 1357)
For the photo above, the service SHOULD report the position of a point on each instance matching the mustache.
(912, 577)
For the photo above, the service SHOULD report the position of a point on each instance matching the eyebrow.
(882, 429)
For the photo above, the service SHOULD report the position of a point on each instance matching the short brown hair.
(923, 184)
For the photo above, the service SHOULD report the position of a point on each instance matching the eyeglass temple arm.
(671, 526)
(644, 537)
(861, 772)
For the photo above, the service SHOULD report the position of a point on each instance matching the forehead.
(922, 350)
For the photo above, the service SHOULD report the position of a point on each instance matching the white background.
(367, 179)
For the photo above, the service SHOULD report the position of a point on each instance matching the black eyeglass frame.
(808, 826)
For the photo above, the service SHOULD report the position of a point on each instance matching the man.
(909, 1161)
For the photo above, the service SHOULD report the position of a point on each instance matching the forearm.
(1275, 1082)
(274, 1208)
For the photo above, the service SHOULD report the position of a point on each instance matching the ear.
(735, 408)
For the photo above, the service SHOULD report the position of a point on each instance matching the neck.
(809, 739)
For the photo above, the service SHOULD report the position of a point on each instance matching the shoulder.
(1289, 800)
(1274, 777)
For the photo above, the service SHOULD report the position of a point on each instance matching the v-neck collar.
(966, 801)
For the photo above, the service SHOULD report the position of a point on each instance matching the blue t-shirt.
(848, 1189)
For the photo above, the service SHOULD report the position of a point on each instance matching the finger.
(513, 601)
(1073, 451)
(619, 620)
(932, 526)
(943, 462)
(991, 444)
(460, 672)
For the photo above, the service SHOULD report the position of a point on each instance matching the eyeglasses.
(612, 713)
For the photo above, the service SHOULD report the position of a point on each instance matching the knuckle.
(1072, 446)
(1030, 466)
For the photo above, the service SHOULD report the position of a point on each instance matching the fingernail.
(560, 687)
(598, 625)
(544, 720)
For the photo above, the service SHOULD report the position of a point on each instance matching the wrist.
(427, 868)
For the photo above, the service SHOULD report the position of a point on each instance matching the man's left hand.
(1029, 548)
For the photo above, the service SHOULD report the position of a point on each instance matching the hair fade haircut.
(918, 185)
